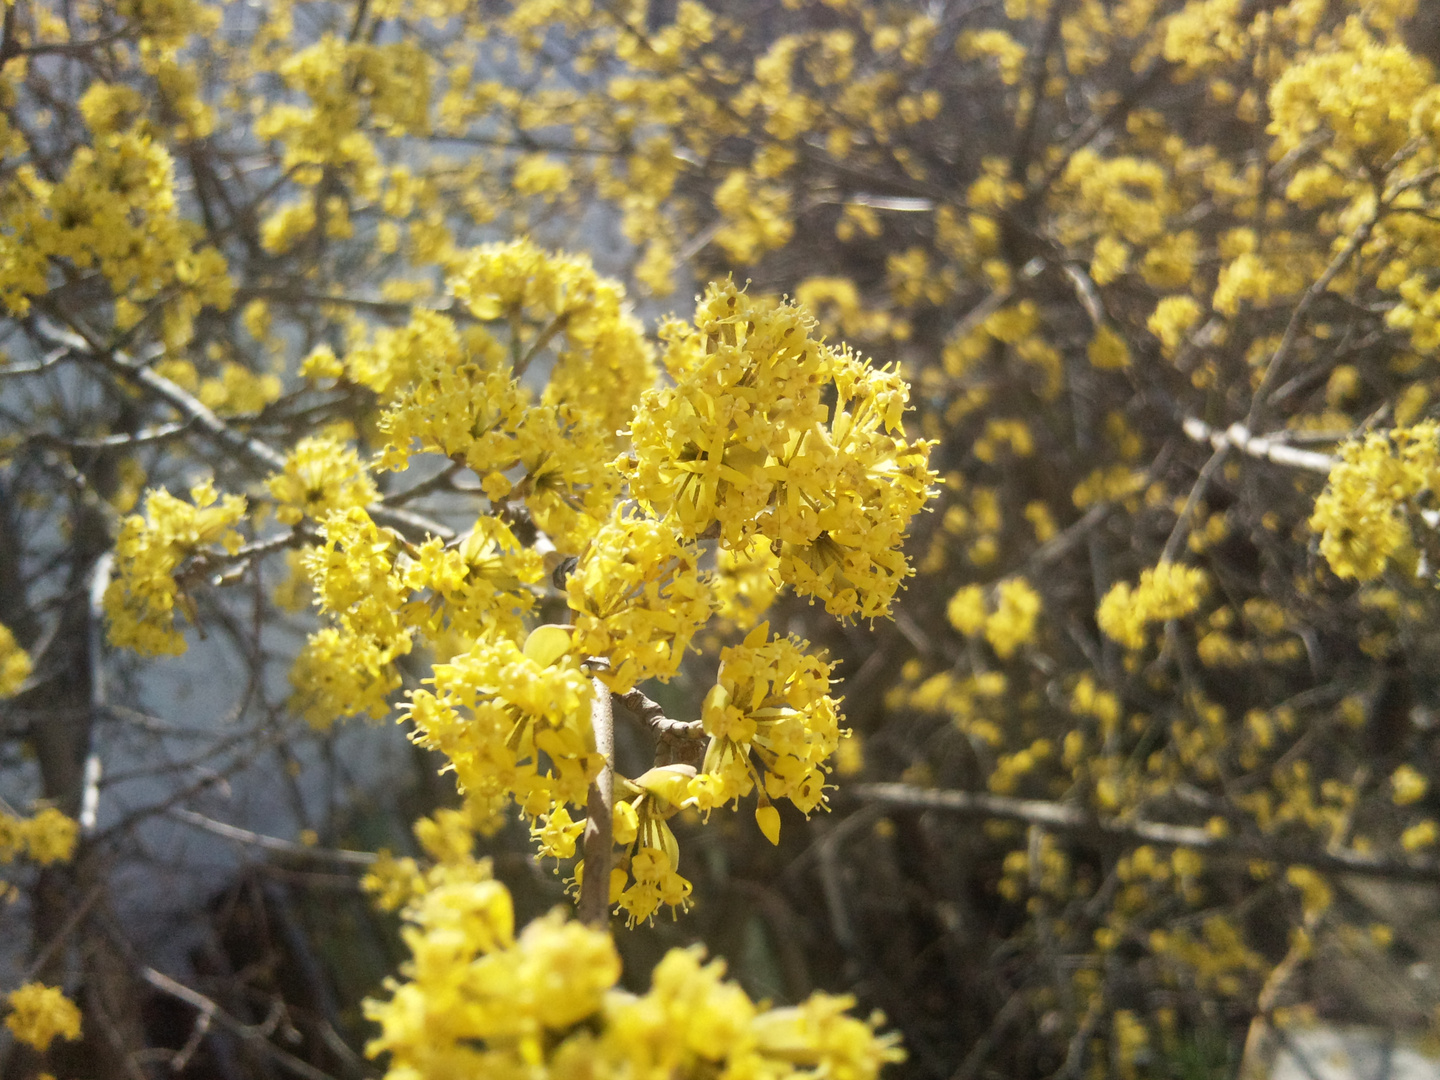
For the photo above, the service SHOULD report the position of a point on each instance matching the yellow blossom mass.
(40, 1014)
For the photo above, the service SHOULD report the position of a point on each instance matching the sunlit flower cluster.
(478, 998)
(511, 723)
(1364, 514)
(772, 724)
(321, 474)
(144, 593)
(745, 446)
(638, 599)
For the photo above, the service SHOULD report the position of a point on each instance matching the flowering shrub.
(335, 356)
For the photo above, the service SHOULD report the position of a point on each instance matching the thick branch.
(1074, 819)
(600, 810)
(652, 715)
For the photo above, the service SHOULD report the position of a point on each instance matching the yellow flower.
(320, 475)
(1172, 320)
(479, 999)
(769, 710)
(143, 595)
(1108, 351)
(1166, 591)
(14, 664)
(1362, 513)
(39, 1013)
(638, 599)
(744, 446)
(1012, 623)
(513, 722)
(1409, 785)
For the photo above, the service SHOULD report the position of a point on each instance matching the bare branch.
(1259, 446)
(263, 459)
(271, 843)
(1074, 819)
(594, 907)
(652, 715)
(252, 1034)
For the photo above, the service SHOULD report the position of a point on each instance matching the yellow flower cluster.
(454, 397)
(39, 1014)
(745, 446)
(380, 592)
(115, 210)
(650, 873)
(1361, 92)
(602, 360)
(141, 600)
(1409, 785)
(512, 722)
(321, 474)
(481, 586)
(14, 664)
(48, 837)
(468, 397)
(1011, 624)
(771, 723)
(1166, 591)
(478, 999)
(358, 581)
(1363, 515)
(638, 599)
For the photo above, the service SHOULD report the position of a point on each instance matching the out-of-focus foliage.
(1160, 276)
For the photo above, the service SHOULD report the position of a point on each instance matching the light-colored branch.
(261, 457)
(90, 791)
(652, 715)
(1075, 820)
(599, 842)
(1259, 446)
(270, 843)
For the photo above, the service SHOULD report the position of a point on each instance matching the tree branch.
(594, 907)
(652, 715)
(262, 458)
(271, 843)
(1073, 819)
(253, 1035)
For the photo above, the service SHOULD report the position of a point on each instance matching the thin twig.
(252, 1034)
(1197, 492)
(547, 335)
(1292, 328)
(270, 843)
(262, 458)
